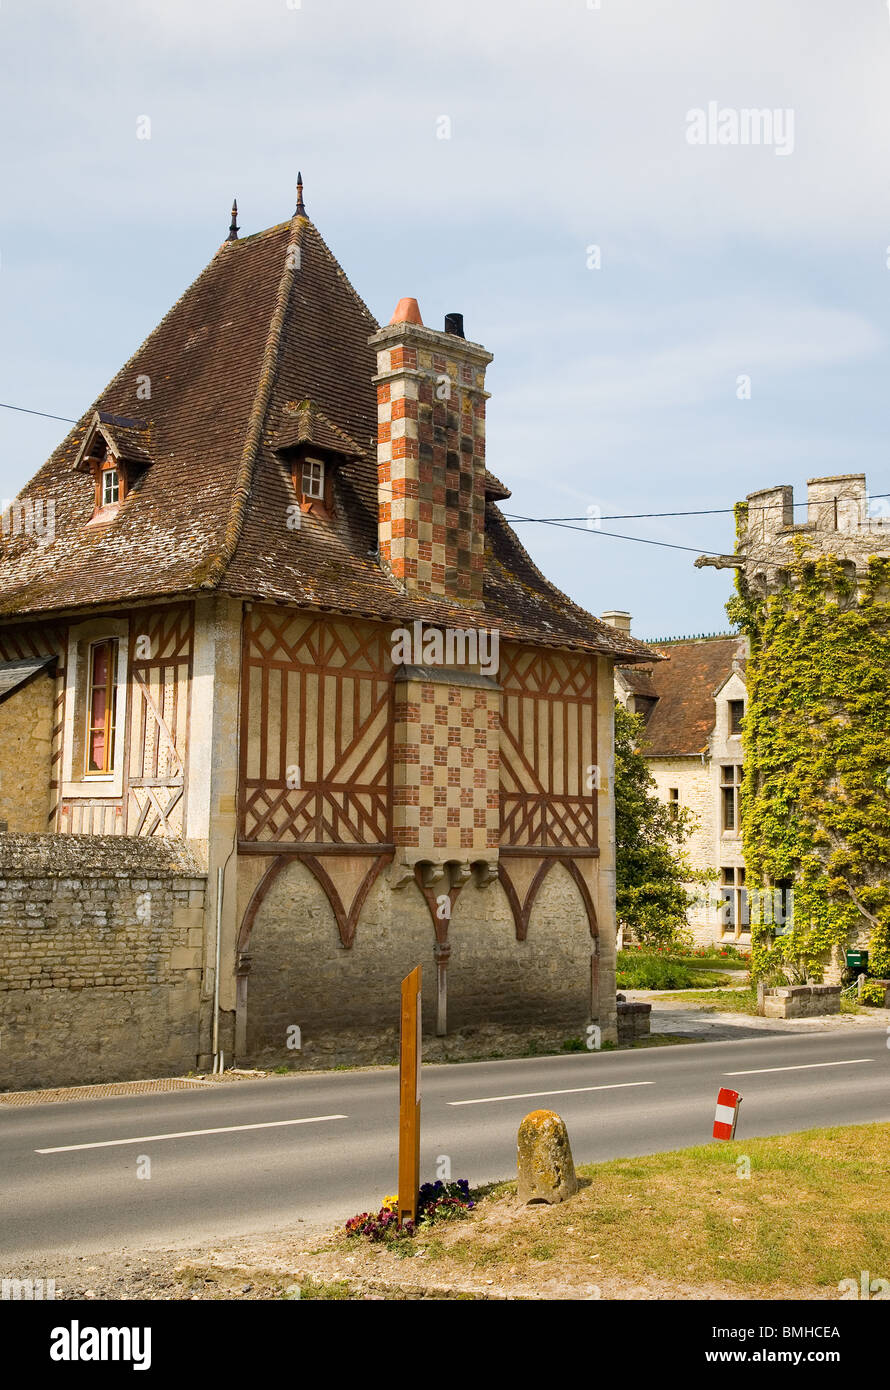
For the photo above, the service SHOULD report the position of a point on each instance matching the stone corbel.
(484, 871)
(458, 873)
(431, 873)
(399, 873)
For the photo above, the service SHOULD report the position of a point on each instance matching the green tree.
(652, 870)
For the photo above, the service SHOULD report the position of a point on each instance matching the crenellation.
(839, 522)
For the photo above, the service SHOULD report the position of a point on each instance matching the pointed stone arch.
(522, 880)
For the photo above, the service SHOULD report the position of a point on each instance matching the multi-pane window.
(110, 487)
(313, 479)
(100, 708)
(736, 715)
(735, 906)
(674, 802)
(730, 792)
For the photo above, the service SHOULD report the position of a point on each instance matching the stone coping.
(95, 856)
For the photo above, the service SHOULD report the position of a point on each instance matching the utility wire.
(645, 516)
(25, 411)
(562, 521)
(595, 530)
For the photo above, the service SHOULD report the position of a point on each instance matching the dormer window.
(115, 452)
(313, 480)
(314, 450)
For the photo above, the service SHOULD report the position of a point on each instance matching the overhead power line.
(565, 522)
(616, 535)
(25, 411)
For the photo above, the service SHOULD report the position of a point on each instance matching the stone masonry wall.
(346, 1002)
(26, 729)
(694, 781)
(101, 948)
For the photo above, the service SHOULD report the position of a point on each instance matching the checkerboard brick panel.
(446, 768)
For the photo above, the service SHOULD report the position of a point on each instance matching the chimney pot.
(407, 311)
(454, 324)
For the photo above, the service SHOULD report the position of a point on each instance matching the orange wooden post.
(409, 1097)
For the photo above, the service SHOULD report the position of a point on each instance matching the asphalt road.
(255, 1156)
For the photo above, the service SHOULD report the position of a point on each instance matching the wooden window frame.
(735, 724)
(733, 892)
(322, 506)
(107, 769)
(100, 467)
(311, 464)
(108, 472)
(730, 797)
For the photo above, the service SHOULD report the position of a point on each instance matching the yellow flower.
(391, 1203)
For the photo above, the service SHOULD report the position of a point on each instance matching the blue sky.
(612, 388)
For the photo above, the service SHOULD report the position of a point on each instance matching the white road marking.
(804, 1066)
(569, 1091)
(188, 1134)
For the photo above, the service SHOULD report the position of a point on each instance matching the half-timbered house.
(262, 601)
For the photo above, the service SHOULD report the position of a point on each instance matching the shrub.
(873, 992)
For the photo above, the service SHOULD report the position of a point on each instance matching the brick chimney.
(431, 455)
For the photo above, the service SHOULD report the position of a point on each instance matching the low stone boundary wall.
(800, 1001)
(101, 959)
(633, 1019)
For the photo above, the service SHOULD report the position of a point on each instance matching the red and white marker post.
(727, 1113)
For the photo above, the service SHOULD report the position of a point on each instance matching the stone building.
(813, 597)
(693, 704)
(281, 689)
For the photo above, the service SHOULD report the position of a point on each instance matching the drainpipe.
(217, 1060)
(441, 954)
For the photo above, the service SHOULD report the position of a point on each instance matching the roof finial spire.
(301, 207)
(233, 229)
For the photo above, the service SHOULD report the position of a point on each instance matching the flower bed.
(437, 1201)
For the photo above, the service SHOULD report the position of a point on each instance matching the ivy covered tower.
(813, 598)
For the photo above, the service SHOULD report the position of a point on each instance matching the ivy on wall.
(816, 790)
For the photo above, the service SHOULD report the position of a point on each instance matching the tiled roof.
(639, 680)
(685, 683)
(17, 673)
(267, 349)
(303, 424)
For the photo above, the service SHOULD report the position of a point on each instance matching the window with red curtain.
(100, 708)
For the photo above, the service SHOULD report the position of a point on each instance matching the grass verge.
(635, 971)
(738, 1001)
(812, 1212)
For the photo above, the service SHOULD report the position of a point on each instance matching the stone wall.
(26, 728)
(100, 959)
(346, 1001)
(801, 1001)
(694, 781)
(634, 1019)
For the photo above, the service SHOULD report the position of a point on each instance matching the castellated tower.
(837, 522)
(813, 599)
